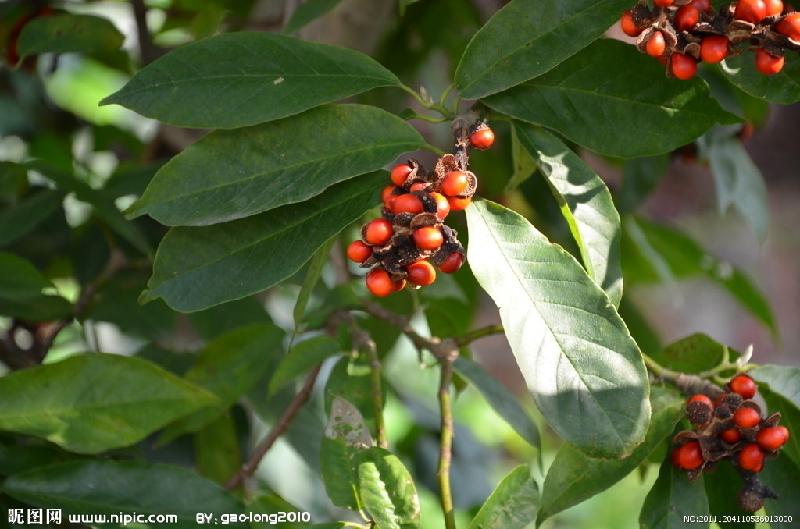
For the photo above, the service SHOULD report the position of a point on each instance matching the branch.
(688, 384)
(477, 334)
(148, 51)
(446, 442)
(249, 468)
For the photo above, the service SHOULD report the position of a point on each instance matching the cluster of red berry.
(680, 33)
(730, 427)
(405, 243)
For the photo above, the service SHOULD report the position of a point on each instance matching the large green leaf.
(233, 174)
(307, 12)
(90, 403)
(351, 380)
(615, 101)
(387, 490)
(672, 497)
(790, 416)
(586, 205)
(783, 394)
(27, 294)
(23, 217)
(722, 489)
(301, 358)
(782, 476)
(199, 267)
(69, 33)
(512, 505)
(111, 487)
(228, 367)
(693, 354)
(578, 359)
(529, 37)
(782, 88)
(659, 253)
(238, 79)
(573, 477)
(500, 399)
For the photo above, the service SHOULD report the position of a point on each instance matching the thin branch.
(688, 384)
(148, 51)
(249, 468)
(446, 443)
(471, 336)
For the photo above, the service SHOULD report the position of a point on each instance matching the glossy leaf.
(307, 12)
(111, 487)
(90, 403)
(782, 88)
(512, 505)
(24, 216)
(228, 367)
(301, 358)
(230, 175)
(216, 449)
(313, 274)
(63, 33)
(529, 37)
(387, 490)
(586, 205)
(782, 476)
(19, 279)
(199, 267)
(351, 380)
(672, 497)
(573, 477)
(500, 399)
(238, 79)
(782, 380)
(583, 368)
(693, 354)
(346, 434)
(615, 101)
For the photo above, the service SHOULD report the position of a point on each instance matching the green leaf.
(790, 417)
(307, 12)
(65, 33)
(26, 294)
(738, 181)
(672, 497)
(722, 489)
(523, 163)
(573, 477)
(586, 205)
(615, 101)
(15, 459)
(667, 251)
(512, 505)
(528, 38)
(782, 476)
(783, 385)
(345, 435)
(24, 216)
(199, 267)
(301, 358)
(111, 487)
(693, 354)
(583, 368)
(501, 400)
(233, 174)
(238, 79)
(216, 449)
(90, 403)
(220, 319)
(351, 380)
(640, 178)
(314, 272)
(228, 367)
(782, 88)
(387, 490)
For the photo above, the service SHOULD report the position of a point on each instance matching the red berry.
(628, 25)
(407, 203)
(483, 138)
(751, 458)
(428, 238)
(458, 204)
(687, 17)
(790, 26)
(688, 456)
(388, 197)
(399, 285)
(744, 386)
(421, 273)
(701, 398)
(379, 282)
(377, 232)
(452, 263)
(774, 7)
(751, 10)
(358, 252)
(400, 173)
(656, 44)
(772, 437)
(418, 186)
(455, 183)
(731, 436)
(442, 205)
(702, 5)
(714, 48)
(768, 64)
(682, 66)
(746, 417)
(663, 3)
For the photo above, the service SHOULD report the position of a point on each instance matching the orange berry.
(455, 183)
(418, 186)
(663, 3)
(682, 66)
(628, 25)
(750, 10)
(379, 282)
(746, 417)
(731, 436)
(358, 251)
(744, 386)
(751, 458)
(714, 48)
(408, 203)
(774, 7)
(768, 64)
(656, 44)
(701, 398)
(428, 238)
(483, 138)
(377, 232)
(772, 437)
(689, 456)
(452, 263)
(400, 173)
(442, 205)
(388, 196)
(421, 273)
(399, 285)
(458, 204)
(687, 17)
(790, 26)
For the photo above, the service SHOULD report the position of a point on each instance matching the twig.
(688, 384)
(477, 334)
(249, 468)
(446, 442)
(148, 51)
